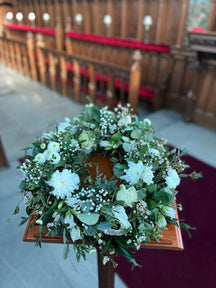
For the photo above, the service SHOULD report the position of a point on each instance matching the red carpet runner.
(196, 265)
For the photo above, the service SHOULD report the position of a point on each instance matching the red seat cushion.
(146, 93)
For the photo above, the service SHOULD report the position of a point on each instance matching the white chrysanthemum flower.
(129, 196)
(48, 154)
(169, 211)
(43, 146)
(53, 146)
(40, 158)
(64, 183)
(55, 158)
(147, 175)
(134, 173)
(172, 179)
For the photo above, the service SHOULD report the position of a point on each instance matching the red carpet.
(195, 266)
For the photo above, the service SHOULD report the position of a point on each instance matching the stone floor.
(26, 110)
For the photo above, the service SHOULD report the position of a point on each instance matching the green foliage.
(163, 198)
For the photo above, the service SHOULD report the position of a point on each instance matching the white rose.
(129, 196)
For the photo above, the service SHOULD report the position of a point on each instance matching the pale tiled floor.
(26, 109)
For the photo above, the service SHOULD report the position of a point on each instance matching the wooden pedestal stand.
(3, 159)
(171, 239)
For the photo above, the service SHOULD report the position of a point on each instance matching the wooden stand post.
(3, 159)
(105, 273)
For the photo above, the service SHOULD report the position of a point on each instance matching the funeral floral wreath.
(97, 212)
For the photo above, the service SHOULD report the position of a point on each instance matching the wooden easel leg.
(105, 273)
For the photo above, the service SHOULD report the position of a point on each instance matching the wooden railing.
(14, 54)
(104, 83)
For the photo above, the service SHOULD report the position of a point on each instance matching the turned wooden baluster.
(19, 58)
(25, 61)
(76, 80)
(8, 57)
(1, 51)
(59, 34)
(41, 59)
(4, 51)
(52, 70)
(31, 54)
(51, 11)
(135, 76)
(92, 83)
(12, 56)
(64, 75)
(111, 91)
(68, 41)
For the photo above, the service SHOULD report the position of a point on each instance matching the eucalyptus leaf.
(126, 147)
(104, 226)
(135, 134)
(91, 231)
(88, 218)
